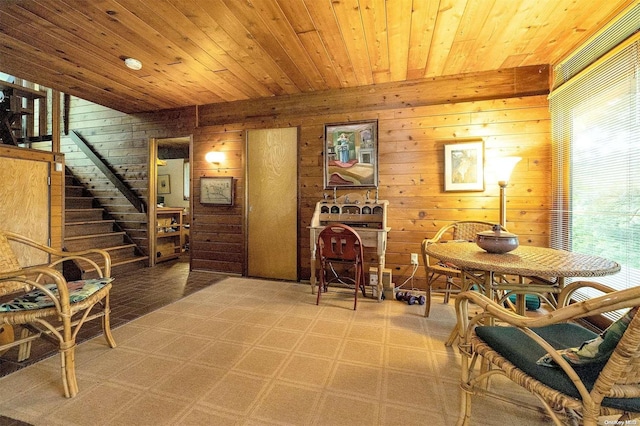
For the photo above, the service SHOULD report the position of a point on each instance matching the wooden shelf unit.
(169, 233)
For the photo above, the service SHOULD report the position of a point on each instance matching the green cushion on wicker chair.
(524, 352)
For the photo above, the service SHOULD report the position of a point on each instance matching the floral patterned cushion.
(594, 350)
(37, 299)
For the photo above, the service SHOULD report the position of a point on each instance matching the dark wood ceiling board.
(94, 40)
(150, 46)
(199, 66)
(40, 66)
(69, 56)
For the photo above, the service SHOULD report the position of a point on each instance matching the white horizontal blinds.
(598, 45)
(596, 169)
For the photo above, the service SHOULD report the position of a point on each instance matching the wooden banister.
(88, 151)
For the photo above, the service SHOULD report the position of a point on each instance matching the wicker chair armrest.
(104, 271)
(61, 302)
(62, 256)
(611, 301)
(564, 297)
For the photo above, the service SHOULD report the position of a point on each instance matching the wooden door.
(272, 203)
(25, 206)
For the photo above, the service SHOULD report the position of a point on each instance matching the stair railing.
(100, 164)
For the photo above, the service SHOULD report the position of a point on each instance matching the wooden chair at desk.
(340, 244)
(465, 230)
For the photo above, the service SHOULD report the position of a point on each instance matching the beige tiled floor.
(255, 352)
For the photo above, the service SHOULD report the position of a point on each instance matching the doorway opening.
(169, 199)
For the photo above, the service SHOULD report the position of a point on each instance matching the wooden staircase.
(87, 225)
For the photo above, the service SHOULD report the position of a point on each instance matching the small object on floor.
(532, 302)
(410, 298)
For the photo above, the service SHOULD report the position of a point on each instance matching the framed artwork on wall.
(464, 166)
(216, 190)
(351, 154)
(164, 184)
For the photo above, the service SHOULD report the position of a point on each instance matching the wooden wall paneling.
(412, 133)
(217, 232)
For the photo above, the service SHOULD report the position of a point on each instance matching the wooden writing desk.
(369, 219)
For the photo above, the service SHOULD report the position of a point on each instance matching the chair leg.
(448, 289)
(320, 283)
(24, 350)
(427, 305)
(68, 364)
(465, 391)
(358, 283)
(106, 323)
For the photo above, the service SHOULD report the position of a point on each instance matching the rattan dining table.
(540, 270)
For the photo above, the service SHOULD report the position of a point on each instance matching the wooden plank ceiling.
(197, 52)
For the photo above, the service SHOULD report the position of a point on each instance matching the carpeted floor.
(257, 352)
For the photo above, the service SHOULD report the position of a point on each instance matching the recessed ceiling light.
(133, 63)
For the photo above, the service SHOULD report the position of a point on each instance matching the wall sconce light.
(214, 157)
(503, 168)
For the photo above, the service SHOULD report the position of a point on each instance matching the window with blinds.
(596, 162)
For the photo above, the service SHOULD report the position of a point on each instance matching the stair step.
(73, 191)
(79, 202)
(118, 254)
(74, 229)
(86, 228)
(76, 215)
(84, 242)
(80, 237)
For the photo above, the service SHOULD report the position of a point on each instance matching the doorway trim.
(152, 197)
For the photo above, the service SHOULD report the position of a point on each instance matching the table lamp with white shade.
(503, 168)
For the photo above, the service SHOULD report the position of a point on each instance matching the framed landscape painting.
(351, 154)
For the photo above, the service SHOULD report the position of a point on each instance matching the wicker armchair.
(608, 385)
(41, 302)
(457, 231)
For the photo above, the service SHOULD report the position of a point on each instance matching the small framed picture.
(216, 190)
(164, 184)
(464, 166)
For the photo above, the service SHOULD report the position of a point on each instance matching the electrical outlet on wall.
(414, 258)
